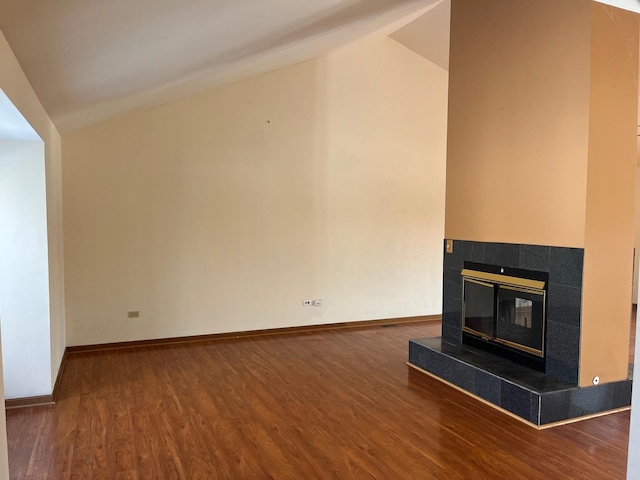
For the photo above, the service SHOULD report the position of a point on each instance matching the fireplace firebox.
(504, 312)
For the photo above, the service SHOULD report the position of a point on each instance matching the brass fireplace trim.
(503, 279)
(518, 288)
(519, 346)
(502, 341)
(484, 284)
(507, 282)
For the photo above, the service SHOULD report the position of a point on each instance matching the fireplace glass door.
(520, 318)
(479, 307)
(503, 312)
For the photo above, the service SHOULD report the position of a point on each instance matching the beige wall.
(610, 201)
(542, 147)
(223, 211)
(518, 121)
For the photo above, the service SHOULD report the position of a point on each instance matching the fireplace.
(523, 304)
(504, 312)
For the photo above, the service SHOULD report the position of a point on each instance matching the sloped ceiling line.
(89, 59)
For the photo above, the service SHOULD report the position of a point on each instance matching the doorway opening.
(24, 258)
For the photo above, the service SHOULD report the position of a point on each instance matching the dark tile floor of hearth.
(528, 394)
(539, 399)
(506, 369)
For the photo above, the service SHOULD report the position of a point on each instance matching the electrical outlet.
(133, 314)
(317, 302)
(306, 303)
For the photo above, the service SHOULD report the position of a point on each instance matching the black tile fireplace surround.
(564, 295)
(538, 398)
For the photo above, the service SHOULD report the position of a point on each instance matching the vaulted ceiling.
(88, 60)
(91, 59)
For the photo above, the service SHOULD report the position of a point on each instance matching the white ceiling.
(632, 5)
(91, 59)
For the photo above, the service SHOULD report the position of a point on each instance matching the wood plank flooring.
(338, 404)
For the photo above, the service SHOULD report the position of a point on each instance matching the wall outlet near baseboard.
(306, 303)
(318, 302)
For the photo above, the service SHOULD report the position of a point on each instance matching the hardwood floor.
(336, 404)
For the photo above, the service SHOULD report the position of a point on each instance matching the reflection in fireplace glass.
(523, 312)
(520, 317)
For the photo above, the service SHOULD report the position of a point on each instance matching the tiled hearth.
(528, 394)
(538, 398)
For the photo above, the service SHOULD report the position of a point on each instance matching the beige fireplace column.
(543, 104)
